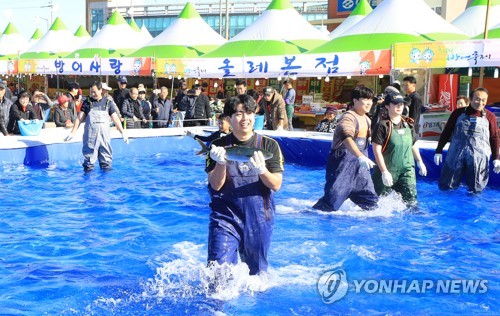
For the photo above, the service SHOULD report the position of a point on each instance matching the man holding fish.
(244, 170)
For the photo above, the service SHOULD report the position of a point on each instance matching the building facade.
(158, 17)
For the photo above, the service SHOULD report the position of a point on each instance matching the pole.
(220, 17)
(227, 19)
(481, 70)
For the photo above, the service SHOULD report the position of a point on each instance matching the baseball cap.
(105, 86)
(122, 79)
(394, 98)
(268, 91)
(2, 85)
(62, 99)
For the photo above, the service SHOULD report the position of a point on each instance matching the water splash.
(388, 206)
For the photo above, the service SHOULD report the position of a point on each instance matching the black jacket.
(16, 114)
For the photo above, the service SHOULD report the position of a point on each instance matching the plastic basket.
(259, 122)
(30, 127)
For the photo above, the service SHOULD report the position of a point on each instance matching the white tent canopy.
(472, 21)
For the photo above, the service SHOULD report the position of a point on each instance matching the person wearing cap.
(162, 110)
(72, 95)
(415, 107)
(5, 105)
(274, 109)
(96, 112)
(242, 192)
(20, 111)
(327, 125)
(63, 117)
(290, 101)
(474, 137)
(145, 104)
(348, 166)
(120, 94)
(395, 150)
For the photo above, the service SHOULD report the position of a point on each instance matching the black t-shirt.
(87, 105)
(381, 132)
(274, 164)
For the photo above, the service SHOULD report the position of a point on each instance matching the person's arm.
(272, 180)
(208, 138)
(80, 118)
(448, 131)
(494, 136)
(281, 113)
(116, 120)
(379, 157)
(217, 177)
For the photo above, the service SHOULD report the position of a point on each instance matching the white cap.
(106, 87)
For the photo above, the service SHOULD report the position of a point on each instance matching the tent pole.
(481, 70)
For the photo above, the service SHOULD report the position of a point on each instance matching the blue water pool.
(133, 241)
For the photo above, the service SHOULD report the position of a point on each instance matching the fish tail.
(204, 148)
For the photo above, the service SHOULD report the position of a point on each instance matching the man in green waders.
(393, 142)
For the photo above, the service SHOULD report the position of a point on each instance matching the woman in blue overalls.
(96, 112)
(242, 192)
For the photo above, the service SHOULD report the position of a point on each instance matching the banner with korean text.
(87, 66)
(448, 54)
(301, 65)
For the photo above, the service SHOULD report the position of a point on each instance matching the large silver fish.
(237, 153)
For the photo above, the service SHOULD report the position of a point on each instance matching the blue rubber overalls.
(469, 153)
(242, 217)
(96, 137)
(398, 157)
(346, 180)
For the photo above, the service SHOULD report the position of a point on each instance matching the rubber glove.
(279, 128)
(258, 162)
(69, 137)
(125, 137)
(438, 159)
(191, 134)
(422, 169)
(365, 163)
(496, 166)
(218, 154)
(387, 179)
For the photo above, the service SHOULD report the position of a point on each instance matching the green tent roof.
(81, 32)
(37, 34)
(189, 12)
(134, 25)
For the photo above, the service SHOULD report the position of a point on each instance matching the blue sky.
(23, 13)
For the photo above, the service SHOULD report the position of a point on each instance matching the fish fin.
(204, 148)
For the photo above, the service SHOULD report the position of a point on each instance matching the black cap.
(394, 98)
(122, 79)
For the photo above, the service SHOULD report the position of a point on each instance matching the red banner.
(448, 90)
